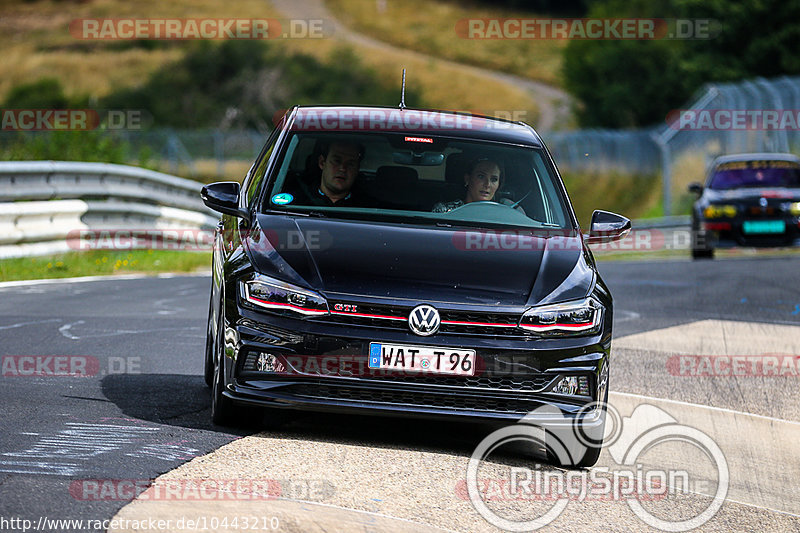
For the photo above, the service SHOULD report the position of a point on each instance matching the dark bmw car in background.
(392, 305)
(748, 200)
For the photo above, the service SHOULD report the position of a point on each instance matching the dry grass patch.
(441, 86)
(36, 43)
(430, 27)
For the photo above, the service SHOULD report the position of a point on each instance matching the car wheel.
(700, 246)
(222, 408)
(224, 412)
(208, 370)
(707, 253)
(565, 449)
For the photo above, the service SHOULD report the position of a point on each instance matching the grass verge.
(683, 254)
(100, 262)
(632, 196)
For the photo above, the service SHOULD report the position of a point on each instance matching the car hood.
(420, 262)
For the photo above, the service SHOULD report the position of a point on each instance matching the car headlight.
(581, 317)
(718, 211)
(279, 296)
(794, 208)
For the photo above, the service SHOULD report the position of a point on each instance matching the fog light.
(267, 362)
(567, 385)
(572, 386)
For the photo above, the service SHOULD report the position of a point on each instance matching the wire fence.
(750, 116)
(184, 149)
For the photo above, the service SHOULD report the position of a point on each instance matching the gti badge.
(424, 320)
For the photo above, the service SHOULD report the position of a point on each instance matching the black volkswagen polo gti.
(405, 262)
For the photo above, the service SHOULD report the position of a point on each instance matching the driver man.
(339, 163)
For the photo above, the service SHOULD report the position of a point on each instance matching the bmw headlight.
(582, 317)
(278, 296)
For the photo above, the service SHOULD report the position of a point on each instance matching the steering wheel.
(489, 211)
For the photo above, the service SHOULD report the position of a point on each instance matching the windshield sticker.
(282, 198)
(419, 140)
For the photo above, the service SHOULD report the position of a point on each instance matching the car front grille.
(497, 382)
(453, 322)
(399, 398)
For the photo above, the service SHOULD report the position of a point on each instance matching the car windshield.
(421, 177)
(756, 174)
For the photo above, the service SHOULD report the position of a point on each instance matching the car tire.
(589, 458)
(208, 365)
(698, 251)
(224, 411)
(703, 253)
(565, 450)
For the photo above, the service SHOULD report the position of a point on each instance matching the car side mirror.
(607, 227)
(223, 197)
(696, 188)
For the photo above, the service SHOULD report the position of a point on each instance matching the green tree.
(244, 83)
(624, 84)
(636, 83)
(46, 93)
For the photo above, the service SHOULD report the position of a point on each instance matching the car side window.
(257, 174)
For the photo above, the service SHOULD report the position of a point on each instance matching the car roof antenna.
(403, 91)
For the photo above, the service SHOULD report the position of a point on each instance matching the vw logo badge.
(424, 320)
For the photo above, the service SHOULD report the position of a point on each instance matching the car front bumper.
(731, 233)
(289, 363)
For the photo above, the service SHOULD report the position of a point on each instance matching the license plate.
(763, 226)
(425, 359)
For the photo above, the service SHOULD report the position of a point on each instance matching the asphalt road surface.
(144, 411)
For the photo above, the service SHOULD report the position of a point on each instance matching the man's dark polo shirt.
(305, 194)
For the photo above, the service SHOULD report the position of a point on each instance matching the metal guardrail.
(42, 202)
(673, 222)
